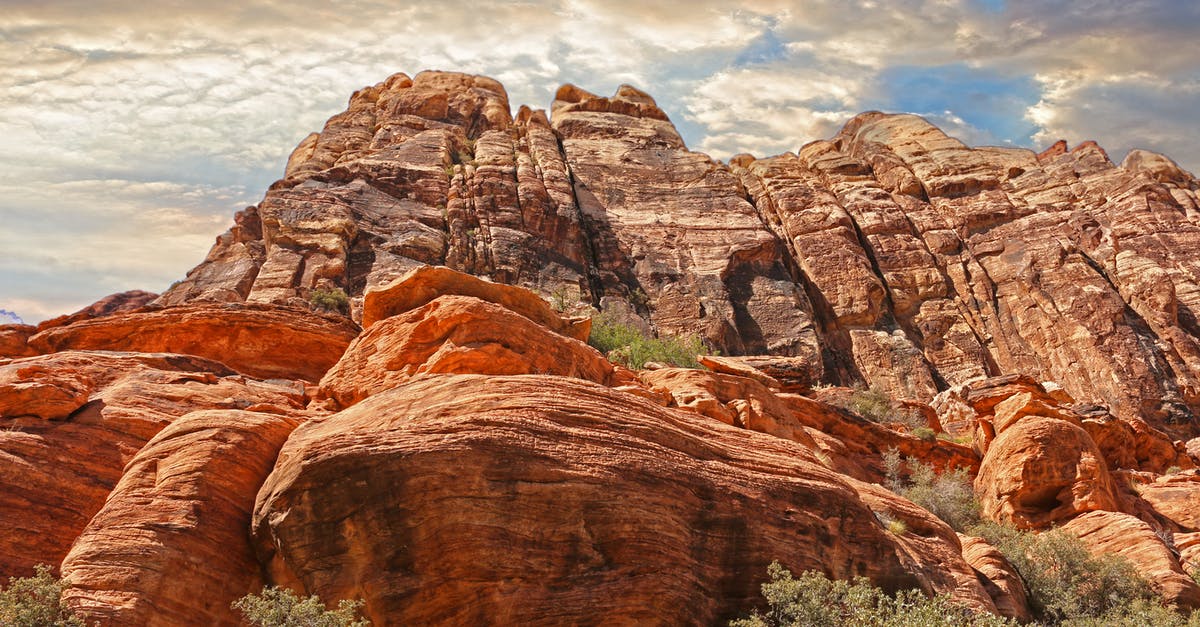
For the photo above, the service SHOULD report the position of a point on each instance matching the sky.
(130, 132)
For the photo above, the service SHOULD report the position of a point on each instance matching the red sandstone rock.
(170, 546)
(1114, 533)
(554, 499)
(14, 340)
(1042, 471)
(55, 474)
(421, 285)
(1003, 582)
(456, 334)
(260, 340)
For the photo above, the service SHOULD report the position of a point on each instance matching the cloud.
(130, 132)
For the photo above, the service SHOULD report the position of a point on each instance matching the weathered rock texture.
(467, 458)
(891, 254)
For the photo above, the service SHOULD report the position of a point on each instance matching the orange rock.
(1001, 580)
(426, 283)
(1176, 498)
(54, 475)
(456, 334)
(1041, 471)
(549, 499)
(170, 546)
(14, 340)
(260, 340)
(1114, 533)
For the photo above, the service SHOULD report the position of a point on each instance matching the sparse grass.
(280, 607)
(628, 346)
(35, 602)
(333, 299)
(1172, 470)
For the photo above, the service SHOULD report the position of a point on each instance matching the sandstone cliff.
(455, 438)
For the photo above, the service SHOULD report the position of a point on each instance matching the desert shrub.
(1065, 581)
(925, 433)
(628, 346)
(280, 607)
(331, 299)
(813, 599)
(949, 495)
(1139, 613)
(35, 602)
(877, 406)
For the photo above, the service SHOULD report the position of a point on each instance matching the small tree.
(35, 602)
(280, 607)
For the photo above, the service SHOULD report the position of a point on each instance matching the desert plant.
(1065, 581)
(876, 405)
(35, 602)
(949, 495)
(813, 599)
(925, 433)
(280, 607)
(628, 346)
(330, 299)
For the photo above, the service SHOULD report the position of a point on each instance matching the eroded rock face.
(170, 546)
(264, 341)
(457, 334)
(891, 254)
(553, 499)
(59, 461)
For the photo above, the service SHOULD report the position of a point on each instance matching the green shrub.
(1065, 581)
(332, 299)
(877, 406)
(925, 433)
(279, 607)
(628, 346)
(949, 495)
(35, 602)
(813, 599)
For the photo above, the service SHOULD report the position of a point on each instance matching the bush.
(279, 607)
(949, 496)
(813, 599)
(35, 602)
(628, 346)
(333, 299)
(877, 406)
(1065, 581)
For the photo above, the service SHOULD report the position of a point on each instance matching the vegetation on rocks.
(948, 495)
(280, 607)
(330, 299)
(35, 602)
(877, 405)
(814, 599)
(627, 345)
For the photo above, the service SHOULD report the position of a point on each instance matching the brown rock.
(456, 334)
(54, 475)
(1002, 581)
(1176, 498)
(170, 546)
(598, 503)
(422, 285)
(260, 340)
(122, 302)
(1114, 533)
(1042, 471)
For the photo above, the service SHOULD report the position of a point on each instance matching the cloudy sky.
(130, 131)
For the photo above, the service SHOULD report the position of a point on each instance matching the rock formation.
(465, 456)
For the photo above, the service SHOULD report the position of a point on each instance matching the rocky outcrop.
(549, 499)
(890, 254)
(260, 340)
(170, 546)
(71, 421)
(457, 334)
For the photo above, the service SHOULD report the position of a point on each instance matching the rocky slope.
(454, 451)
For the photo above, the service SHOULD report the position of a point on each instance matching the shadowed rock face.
(891, 254)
